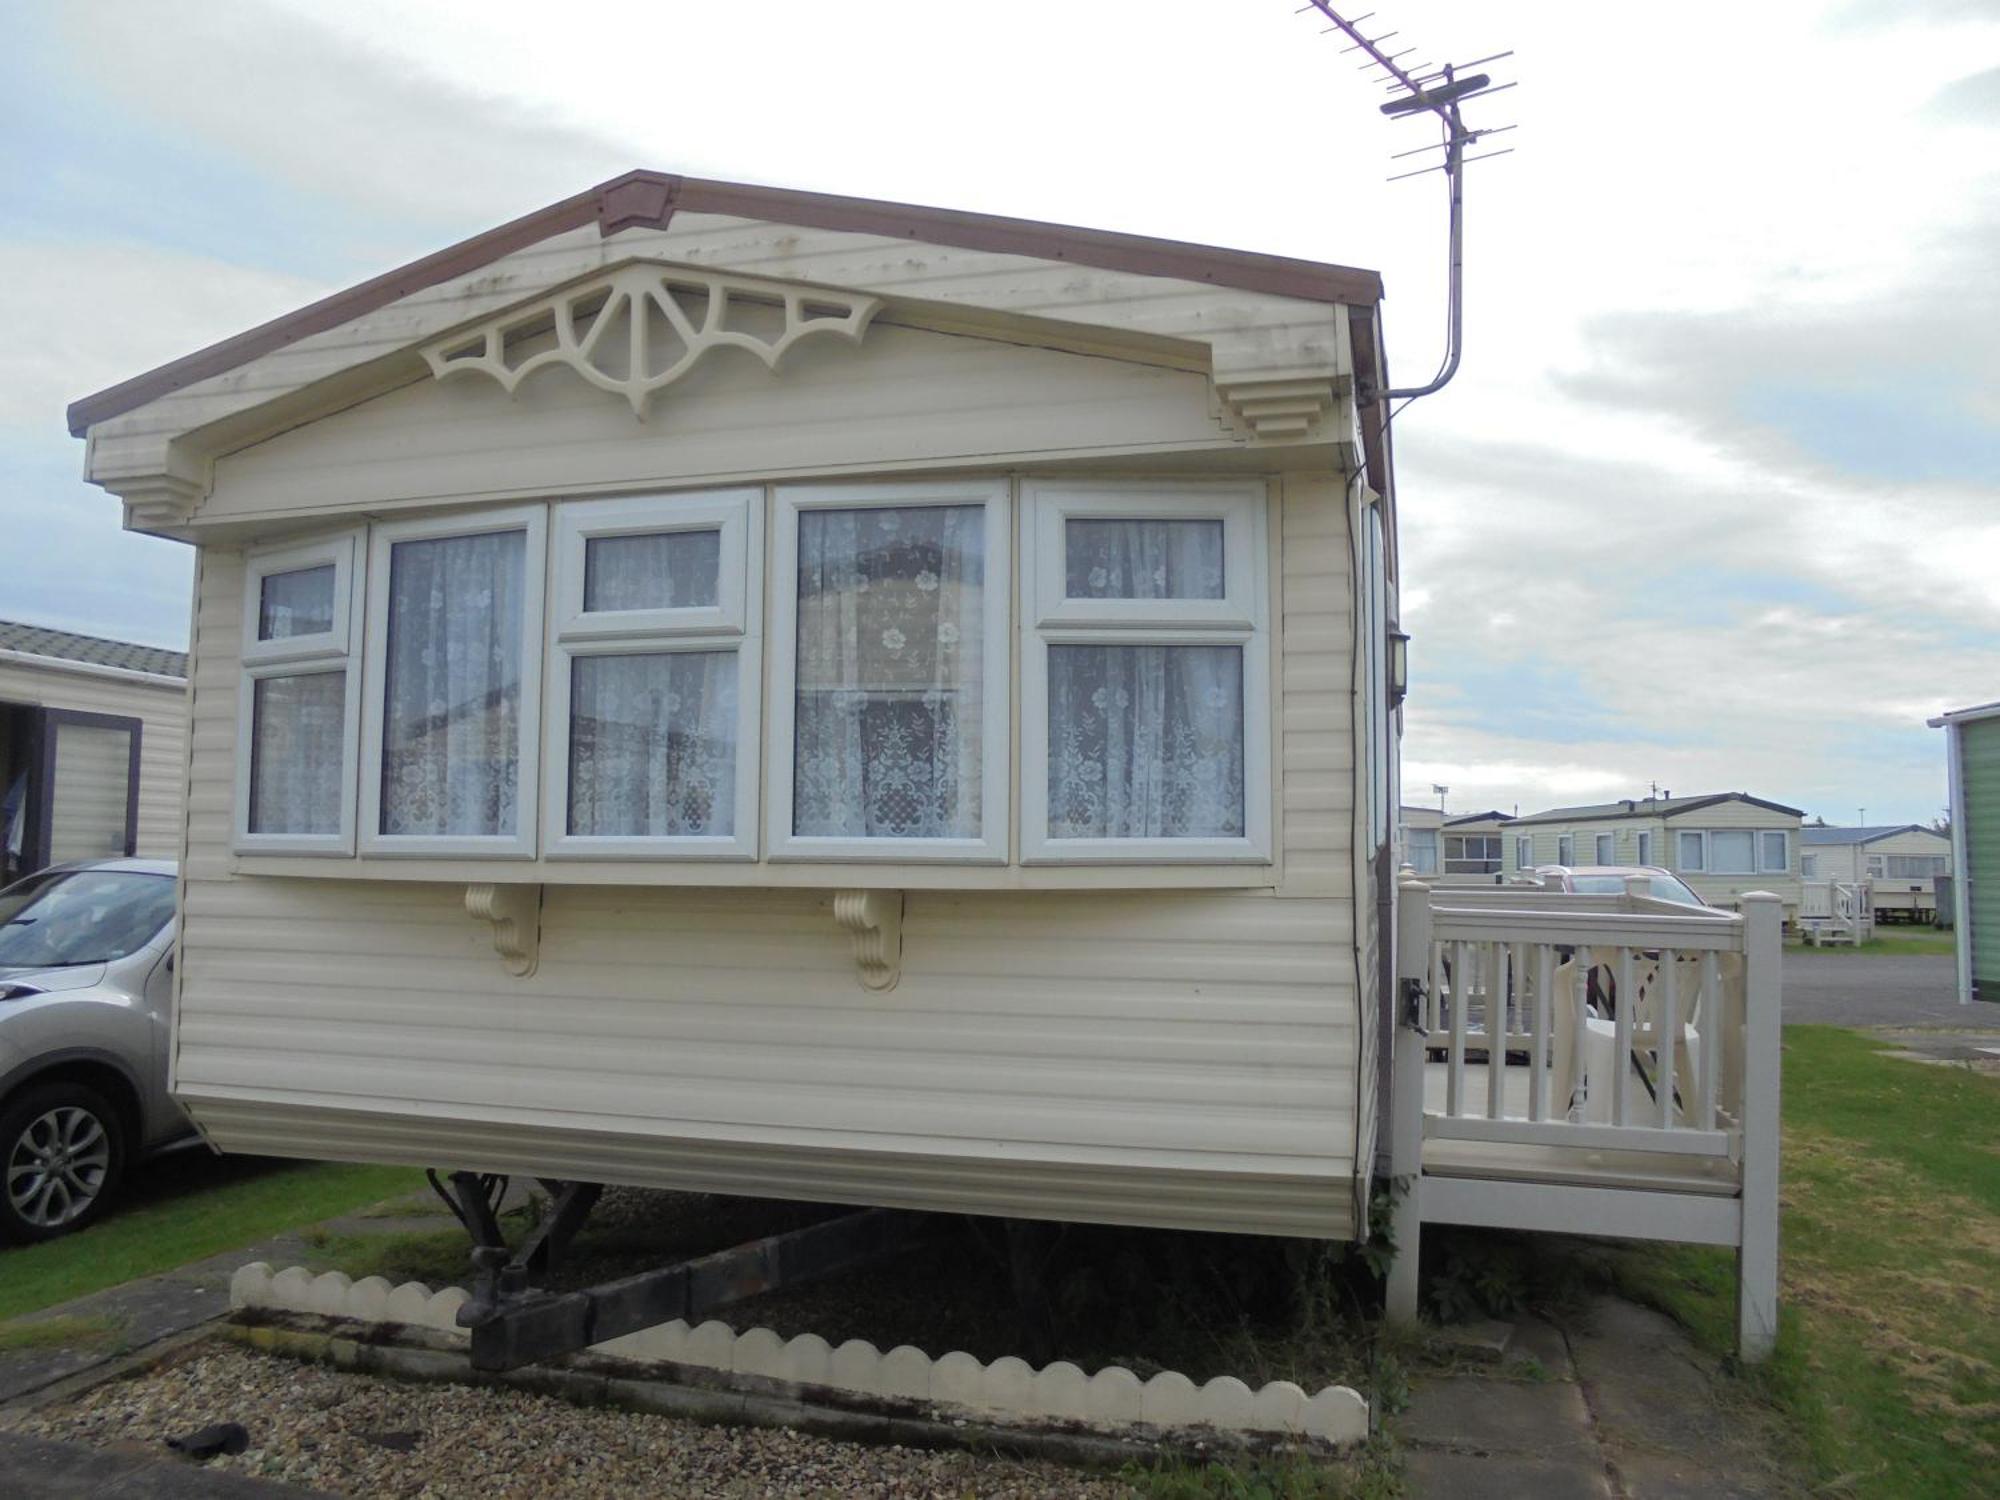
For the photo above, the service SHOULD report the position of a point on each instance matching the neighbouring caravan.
(1972, 750)
(93, 747)
(1723, 844)
(1899, 864)
(724, 688)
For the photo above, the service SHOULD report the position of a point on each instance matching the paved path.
(1619, 1403)
(1867, 989)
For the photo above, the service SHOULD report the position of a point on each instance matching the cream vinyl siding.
(160, 706)
(903, 399)
(1172, 1057)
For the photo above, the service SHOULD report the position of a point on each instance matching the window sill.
(815, 876)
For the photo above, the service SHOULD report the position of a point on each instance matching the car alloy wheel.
(58, 1166)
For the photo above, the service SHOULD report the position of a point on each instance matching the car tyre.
(62, 1153)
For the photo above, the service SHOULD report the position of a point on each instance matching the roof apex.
(646, 198)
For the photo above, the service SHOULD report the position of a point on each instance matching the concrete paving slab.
(1666, 1476)
(1479, 1414)
(1462, 1476)
(1646, 1384)
(1543, 1343)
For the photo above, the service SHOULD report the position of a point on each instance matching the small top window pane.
(299, 602)
(656, 570)
(1115, 558)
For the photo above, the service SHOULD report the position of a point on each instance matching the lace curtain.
(451, 731)
(659, 570)
(1145, 742)
(1142, 559)
(653, 744)
(296, 603)
(297, 731)
(891, 655)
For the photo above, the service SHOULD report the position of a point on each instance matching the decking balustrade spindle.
(1667, 1034)
(1496, 1030)
(1621, 1070)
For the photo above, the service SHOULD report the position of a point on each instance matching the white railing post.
(1406, 1103)
(1757, 1252)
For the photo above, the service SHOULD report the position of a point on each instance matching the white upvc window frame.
(1049, 617)
(1644, 855)
(1758, 864)
(787, 503)
(1681, 836)
(1784, 864)
(732, 624)
(1524, 852)
(1566, 850)
(533, 520)
(328, 651)
(1597, 842)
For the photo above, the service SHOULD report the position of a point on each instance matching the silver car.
(86, 995)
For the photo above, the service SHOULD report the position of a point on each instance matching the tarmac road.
(1864, 989)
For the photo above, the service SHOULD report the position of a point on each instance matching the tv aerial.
(1435, 90)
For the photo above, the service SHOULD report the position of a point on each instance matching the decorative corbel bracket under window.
(516, 914)
(642, 326)
(875, 921)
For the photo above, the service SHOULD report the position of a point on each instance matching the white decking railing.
(1590, 1064)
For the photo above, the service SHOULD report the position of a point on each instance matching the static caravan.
(1724, 845)
(1418, 842)
(731, 689)
(93, 748)
(1475, 848)
(1899, 863)
(1972, 749)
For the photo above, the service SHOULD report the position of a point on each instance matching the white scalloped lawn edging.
(1008, 1389)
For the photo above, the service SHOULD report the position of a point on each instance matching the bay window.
(451, 747)
(653, 677)
(1144, 673)
(296, 718)
(889, 692)
(596, 679)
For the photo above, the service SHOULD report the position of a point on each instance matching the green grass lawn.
(182, 1208)
(1887, 1371)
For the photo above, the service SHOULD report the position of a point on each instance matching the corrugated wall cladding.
(1979, 772)
(1181, 1058)
(163, 714)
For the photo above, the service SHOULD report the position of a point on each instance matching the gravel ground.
(363, 1435)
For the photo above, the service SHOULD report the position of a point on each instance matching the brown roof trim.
(652, 198)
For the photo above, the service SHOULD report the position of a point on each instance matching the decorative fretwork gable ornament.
(642, 326)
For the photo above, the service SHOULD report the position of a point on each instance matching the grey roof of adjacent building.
(1491, 815)
(93, 650)
(1651, 807)
(1860, 834)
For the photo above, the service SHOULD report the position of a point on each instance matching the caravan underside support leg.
(519, 1326)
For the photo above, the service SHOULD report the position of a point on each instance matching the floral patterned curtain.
(298, 724)
(653, 744)
(1114, 558)
(451, 721)
(891, 662)
(1145, 742)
